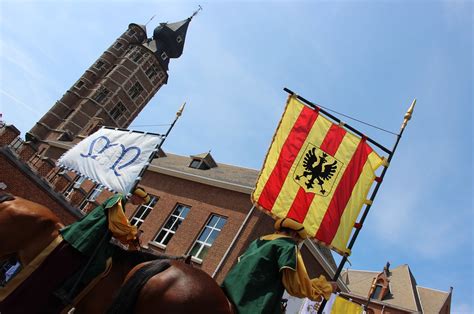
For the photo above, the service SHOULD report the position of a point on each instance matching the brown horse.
(26, 228)
(168, 284)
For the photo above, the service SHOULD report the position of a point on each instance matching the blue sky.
(367, 59)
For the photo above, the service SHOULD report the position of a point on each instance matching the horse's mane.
(144, 255)
(124, 302)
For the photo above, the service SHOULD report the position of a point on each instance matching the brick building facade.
(205, 189)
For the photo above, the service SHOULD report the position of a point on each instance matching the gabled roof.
(401, 286)
(404, 292)
(243, 179)
(432, 301)
(359, 281)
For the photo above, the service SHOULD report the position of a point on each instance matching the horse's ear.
(4, 196)
(187, 259)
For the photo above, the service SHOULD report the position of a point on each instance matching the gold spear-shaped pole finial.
(180, 111)
(408, 115)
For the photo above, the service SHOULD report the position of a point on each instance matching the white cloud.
(23, 104)
(462, 308)
(413, 212)
(19, 58)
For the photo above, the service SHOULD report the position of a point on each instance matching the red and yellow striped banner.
(316, 173)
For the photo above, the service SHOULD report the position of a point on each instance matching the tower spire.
(196, 12)
(151, 18)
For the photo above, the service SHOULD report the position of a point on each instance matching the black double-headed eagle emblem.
(318, 166)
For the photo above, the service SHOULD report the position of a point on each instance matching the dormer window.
(164, 56)
(380, 287)
(179, 39)
(377, 294)
(198, 164)
(202, 161)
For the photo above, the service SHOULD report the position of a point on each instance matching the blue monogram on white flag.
(113, 158)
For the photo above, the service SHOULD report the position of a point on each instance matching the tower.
(114, 89)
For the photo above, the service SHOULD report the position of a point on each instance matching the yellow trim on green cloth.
(273, 236)
(29, 269)
(298, 284)
(119, 225)
(297, 281)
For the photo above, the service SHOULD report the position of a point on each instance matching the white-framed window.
(207, 237)
(93, 194)
(171, 225)
(78, 180)
(16, 144)
(143, 211)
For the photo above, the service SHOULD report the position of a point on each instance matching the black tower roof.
(173, 36)
(168, 41)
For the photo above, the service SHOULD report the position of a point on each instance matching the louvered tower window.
(135, 90)
(117, 111)
(101, 94)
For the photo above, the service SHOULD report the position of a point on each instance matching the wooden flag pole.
(407, 117)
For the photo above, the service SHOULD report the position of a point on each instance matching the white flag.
(311, 307)
(113, 158)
